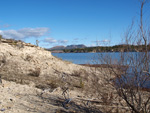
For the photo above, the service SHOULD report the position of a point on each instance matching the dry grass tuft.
(35, 73)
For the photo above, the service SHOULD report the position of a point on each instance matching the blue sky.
(66, 22)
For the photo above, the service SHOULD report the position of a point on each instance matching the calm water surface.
(82, 58)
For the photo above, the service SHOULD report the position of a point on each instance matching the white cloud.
(5, 26)
(101, 42)
(105, 40)
(76, 39)
(33, 32)
(50, 40)
(63, 41)
(92, 45)
(11, 34)
(24, 33)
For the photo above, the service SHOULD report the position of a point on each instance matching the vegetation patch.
(35, 73)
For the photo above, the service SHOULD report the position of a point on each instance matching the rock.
(3, 109)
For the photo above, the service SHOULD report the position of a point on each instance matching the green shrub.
(81, 83)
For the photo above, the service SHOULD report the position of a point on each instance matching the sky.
(67, 22)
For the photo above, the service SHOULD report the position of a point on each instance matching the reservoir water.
(77, 58)
(83, 58)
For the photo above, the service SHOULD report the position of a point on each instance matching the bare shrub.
(80, 83)
(132, 71)
(37, 43)
(50, 83)
(2, 63)
(0, 38)
(76, 73)
(28, 58)
(2, 60)
(53, 83)
(35, 73)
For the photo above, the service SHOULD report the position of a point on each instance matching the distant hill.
(67, 47)
(75, 46)
(83, 49)
(57, 48)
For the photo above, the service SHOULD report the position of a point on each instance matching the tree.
(37, 43)
(131, 71)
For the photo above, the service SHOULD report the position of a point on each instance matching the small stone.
(3, 109)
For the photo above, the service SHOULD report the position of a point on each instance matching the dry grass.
(28, 58)
(35, 72)
(76, 73)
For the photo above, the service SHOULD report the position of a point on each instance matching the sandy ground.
(24, 70)
(17, 98)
